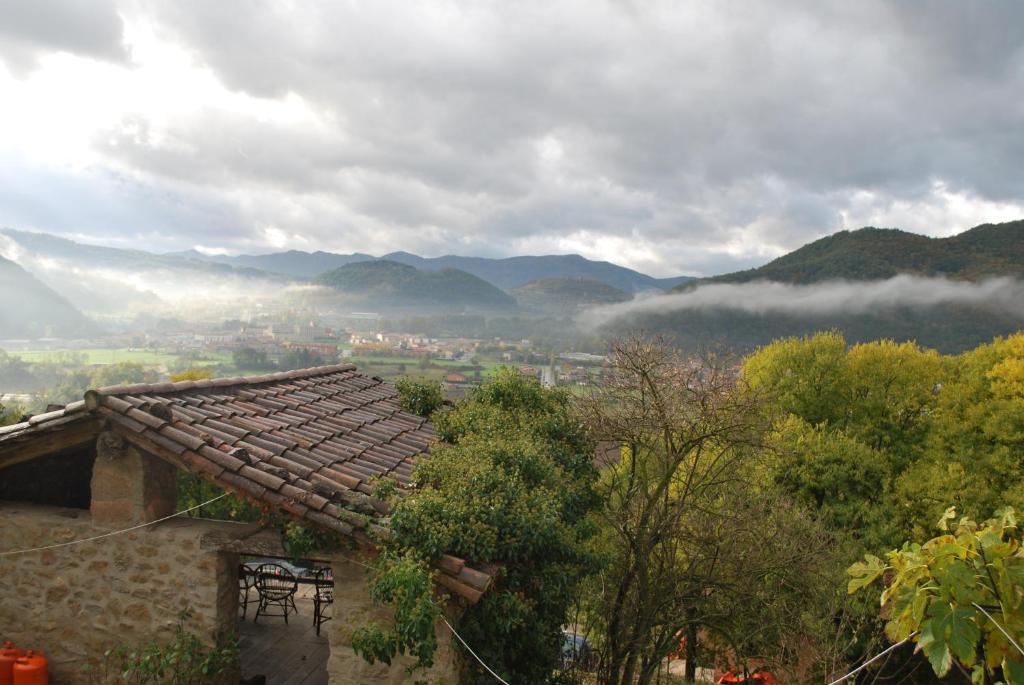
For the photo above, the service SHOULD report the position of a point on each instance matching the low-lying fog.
(829, 297)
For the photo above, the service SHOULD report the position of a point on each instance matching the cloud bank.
(670, 137)
(829, 297)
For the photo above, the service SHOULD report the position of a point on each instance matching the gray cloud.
(830, 297)
(32, 28)
(710, 139)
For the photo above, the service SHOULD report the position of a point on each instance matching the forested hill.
(32, 310)
(507, 273)
(877, 253)
(512, 272)
(295, 263)
(135, 261)
(868, 254)
(386, 283)
(566, 295)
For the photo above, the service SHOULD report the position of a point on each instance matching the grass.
(117, 355)
(410, 362)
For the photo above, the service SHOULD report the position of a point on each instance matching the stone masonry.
(75, 602)
(130, 486)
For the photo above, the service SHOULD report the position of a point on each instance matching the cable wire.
(199, 506)
(1001, 629)
(464, 644)
(873, 659)
(115, 532)
(468, 648)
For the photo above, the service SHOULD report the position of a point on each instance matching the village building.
(310, 444)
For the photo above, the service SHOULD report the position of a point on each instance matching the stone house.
(308, 443)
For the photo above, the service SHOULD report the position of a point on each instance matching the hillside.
(566, 295)
(513, 272)
(294, 263)
(386, 283)
(32, 310)
(868, 254)
(298, 265)
(100, 257)
(874, 253)
(505, 273)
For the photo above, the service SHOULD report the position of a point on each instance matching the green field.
(412, 364)
(386, 367)
(114, 356)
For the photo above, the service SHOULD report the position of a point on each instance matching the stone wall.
(130, 486)
(353, 608)
(75, 602)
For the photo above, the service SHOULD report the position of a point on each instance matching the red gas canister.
(8, 653)
(31, 669)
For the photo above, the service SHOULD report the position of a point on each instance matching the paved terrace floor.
(291, 654)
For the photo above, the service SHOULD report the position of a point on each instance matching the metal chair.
(324, 597)
(276, 586)
(246, 583)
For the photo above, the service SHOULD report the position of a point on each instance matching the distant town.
(264, 341)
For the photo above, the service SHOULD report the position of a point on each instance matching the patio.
(291, 654)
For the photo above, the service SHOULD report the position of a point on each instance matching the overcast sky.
(673, 137)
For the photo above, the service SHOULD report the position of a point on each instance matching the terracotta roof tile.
(309, 442)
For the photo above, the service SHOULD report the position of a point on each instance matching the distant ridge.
(867, 254)
(566, 295)
(507, 273)
(33, 310)
(296, 263)
(391, 284)
(875, 253)
(98, 256)
(512, 272)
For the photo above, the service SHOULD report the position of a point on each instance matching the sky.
(671, 137)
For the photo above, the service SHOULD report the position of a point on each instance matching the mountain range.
(382, 283)
(507, 273)
(116, 258)
(868, 254)
(33, 310)
(875, 253)
(552, 284)
(566, 295)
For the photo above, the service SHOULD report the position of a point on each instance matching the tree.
(847, 424)
(512, 485)
(973, 455)
(421, 397)
(299, 358)
(695, 547)
(193, 373)
(9, 413)
(834, 474)
(121, 373)
(958, 596)
(251, 358)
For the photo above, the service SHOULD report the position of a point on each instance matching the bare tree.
(697, 546)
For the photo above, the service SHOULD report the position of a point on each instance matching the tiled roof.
(330, 431)
(20, 441)
(310, 442)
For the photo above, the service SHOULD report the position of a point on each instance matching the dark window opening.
(62, 479)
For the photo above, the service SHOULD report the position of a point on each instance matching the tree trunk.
(691, 652)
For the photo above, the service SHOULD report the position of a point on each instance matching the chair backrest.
(324, 582)
(275, 581)
(245, 579)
